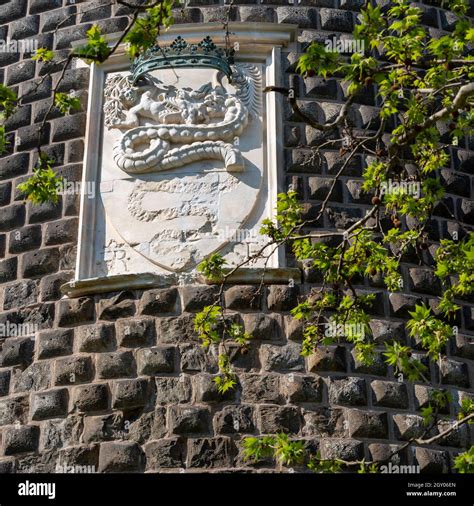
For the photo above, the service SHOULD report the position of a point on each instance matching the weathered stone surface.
(243, 297)
(20, 439)
(234, 420)
(282, 297)
(128, 394)
(304, 17)
(50, 286)
(91, 397)
(14, 410)
(120, 306)
(327, 358)
(115, 365)
(325, 422)
(347, 391)
(103, 428)
(198, 359)
(4, 383)
(7, 466)
(454, 372)
(423, 396)
(345, 449)
(72, 370)
(188, 420)
(39, 263)
(35, 377)
(96, 338)
(195, 298)
(367, 423)
(408, 426)
(165, 453)
(12, 217)
(386, 330)
(261, 388)
(16, 351)
(173, 390)
(263, 326)
(386, 453)
(299, 388)
(8, 269)
(176, 329)
(135, 332)
(120, 457)
(210, 452)
(401, 304)
(75, 311)
(274, 419)
(378, 367)
(281, 358)
(156, 360)
(205, 390)
(49, 404)
(424, 280)
(25, 239)
(432, 461)
(85, 456)
(157, 302)
(389, 394)
(61, 432)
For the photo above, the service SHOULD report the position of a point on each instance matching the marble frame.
(258, 42)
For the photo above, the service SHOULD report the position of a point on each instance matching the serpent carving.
(169, 128)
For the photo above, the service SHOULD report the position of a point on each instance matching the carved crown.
(182, 54)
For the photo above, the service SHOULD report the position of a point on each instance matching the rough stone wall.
(119, 381)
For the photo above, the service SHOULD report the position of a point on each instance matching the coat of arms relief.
(184, 167)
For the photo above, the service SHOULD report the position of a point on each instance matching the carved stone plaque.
(183, 168)
(183, 162)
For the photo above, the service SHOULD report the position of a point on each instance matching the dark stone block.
(49, 404)
(120, 457)
(69, 127)
(37, 89)
(20, 294)
(12, 9)
(44, 212)
(74, 311)
(54, 343)
(135, 332)
(210, 452)
(8, 269)
(26, 238)
(96, 338)
(50, 286)
(195, 298)
(127, 394)
(12, 217)
(367, 424)
(20, 439)
(72, 370)
(17, 351)
(188, 420)
(39, 263)
(156, 360)
(115, 365)
(91, 397)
